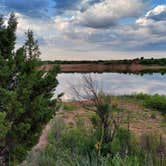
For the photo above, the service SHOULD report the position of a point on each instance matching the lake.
(113, 83)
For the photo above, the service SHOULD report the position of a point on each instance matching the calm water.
(113, 83)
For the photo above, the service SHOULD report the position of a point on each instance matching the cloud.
(154, 21)
(92, 27)
(33, 8)
(157, 14)
(43, 8)
(62, 5)
(106, 13)
(144, 34)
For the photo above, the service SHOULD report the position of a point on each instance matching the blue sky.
(92, 29)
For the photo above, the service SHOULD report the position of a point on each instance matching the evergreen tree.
(25, 95)
(31, 46)
(8, 36)
(11, 33)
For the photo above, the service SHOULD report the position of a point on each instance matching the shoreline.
(133, 68)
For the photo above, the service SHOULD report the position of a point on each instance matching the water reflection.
(114, 83)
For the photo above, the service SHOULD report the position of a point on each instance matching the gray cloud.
(38, 8)
(83, 26)
(142, 35)
(106, 22)
(105, 13)
(63, 5)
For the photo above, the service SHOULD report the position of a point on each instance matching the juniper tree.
(25, 94)
(8, 36)
(31, 46)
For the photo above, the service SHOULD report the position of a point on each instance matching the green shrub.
(69, 107)
(156, 102)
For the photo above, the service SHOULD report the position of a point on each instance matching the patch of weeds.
(163, 122)
(70, 125)
(69, 107)
(61, 113)
(153, 114)
(145, 115)
(149, 126)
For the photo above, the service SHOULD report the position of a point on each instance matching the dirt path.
(43, 138)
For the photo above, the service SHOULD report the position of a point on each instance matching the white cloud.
(107, 13)
(67, 38)
(158, 13)
(154, 15)
(154, 20)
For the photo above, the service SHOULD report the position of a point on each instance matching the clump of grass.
(154, 115)
(69, 107)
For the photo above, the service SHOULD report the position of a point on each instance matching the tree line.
(142, 61)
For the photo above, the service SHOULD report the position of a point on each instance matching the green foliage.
(25, 95)
(7, 36)
(119, 144)
(156, 102)
(152, 61)
(106, 122)
(76, 140)
(69, 107)
(65, 145)
(4, 128)
(31, 46)
(76, 147)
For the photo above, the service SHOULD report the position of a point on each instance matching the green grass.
(69, 107)
(155, 102)
(76, 147)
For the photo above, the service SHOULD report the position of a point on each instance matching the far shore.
(65, 68)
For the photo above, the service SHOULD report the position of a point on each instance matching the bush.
(156, 102)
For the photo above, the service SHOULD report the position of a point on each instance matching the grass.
(156, 102)
(143, 119)
(76, 147)
(69, 107)
(72, 139)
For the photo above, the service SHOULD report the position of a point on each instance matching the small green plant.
(154, 115)
(69, 107)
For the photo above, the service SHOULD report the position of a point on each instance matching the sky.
(92, 29)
